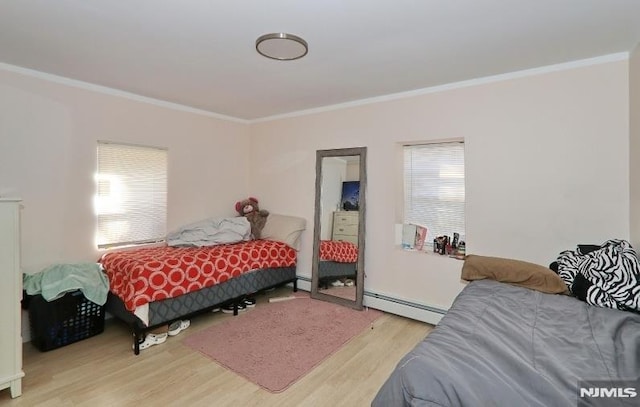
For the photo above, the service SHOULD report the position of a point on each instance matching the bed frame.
(165, 311)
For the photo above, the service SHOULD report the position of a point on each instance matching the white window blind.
(131, 199)
(434, 188)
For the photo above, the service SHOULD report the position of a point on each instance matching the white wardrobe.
(10, 294)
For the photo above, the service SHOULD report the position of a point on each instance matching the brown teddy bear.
(257, 217)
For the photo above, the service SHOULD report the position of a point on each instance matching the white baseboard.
(392, 305)
(304, 284)
(403, 309)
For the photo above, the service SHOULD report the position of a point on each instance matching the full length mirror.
(339, 232)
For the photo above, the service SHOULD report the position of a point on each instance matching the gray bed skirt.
(171, 309)
(333, 270)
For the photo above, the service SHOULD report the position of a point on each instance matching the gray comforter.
(501, 345)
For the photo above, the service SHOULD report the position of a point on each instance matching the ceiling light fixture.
(281, 46)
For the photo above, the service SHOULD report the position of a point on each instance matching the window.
(131, 198)
(434, 187)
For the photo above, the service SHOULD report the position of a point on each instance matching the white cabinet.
(10, 294)
(345, 226)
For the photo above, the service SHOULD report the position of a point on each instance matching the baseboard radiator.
(392, 305)
(396, 306)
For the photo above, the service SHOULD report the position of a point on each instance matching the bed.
(502, 344)
(150, 287)
(338, 260)
(153, 286)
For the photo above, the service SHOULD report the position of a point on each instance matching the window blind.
(434, 188)
(131, 198)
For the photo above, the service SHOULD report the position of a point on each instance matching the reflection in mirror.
(338, 247)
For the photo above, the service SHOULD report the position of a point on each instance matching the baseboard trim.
(420, 312)
(382, 302)
(304, 283)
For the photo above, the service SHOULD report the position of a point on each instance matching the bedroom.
(547, 151)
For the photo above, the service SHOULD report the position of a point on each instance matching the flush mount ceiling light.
(281, 46)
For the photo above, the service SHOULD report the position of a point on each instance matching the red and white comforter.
(341, 252)
(141, 276)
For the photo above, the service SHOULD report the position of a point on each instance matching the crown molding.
(621, 56)
(115, 92)
(378, 99)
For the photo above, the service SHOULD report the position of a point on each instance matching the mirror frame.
(315, 293)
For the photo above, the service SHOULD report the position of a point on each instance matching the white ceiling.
(201, 53)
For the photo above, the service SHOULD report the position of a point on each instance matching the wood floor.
(102, 371)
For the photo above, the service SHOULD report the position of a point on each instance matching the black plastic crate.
(66, 320)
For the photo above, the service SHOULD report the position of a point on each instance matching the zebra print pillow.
(606, 277)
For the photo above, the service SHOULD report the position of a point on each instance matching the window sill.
(430, 253)
(115, 248)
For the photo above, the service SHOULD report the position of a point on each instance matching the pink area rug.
(275, 344)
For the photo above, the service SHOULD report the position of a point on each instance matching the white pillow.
(282, 228)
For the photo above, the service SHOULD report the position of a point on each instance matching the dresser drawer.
(346, 238)
(342, 229)
(345, 218)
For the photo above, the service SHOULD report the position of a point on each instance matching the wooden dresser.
(345, 226)
(10, 294)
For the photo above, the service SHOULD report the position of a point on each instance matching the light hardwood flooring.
(103, 371)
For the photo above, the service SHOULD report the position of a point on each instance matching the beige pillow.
(516, 272)
(286, 229)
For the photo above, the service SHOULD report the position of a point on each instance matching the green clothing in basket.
(55, 281)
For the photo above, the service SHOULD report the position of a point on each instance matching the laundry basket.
(66, 320)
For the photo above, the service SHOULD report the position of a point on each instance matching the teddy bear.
(257, 217)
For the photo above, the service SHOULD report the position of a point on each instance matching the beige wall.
(634, 150)
(547, 167)
(48, 134)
